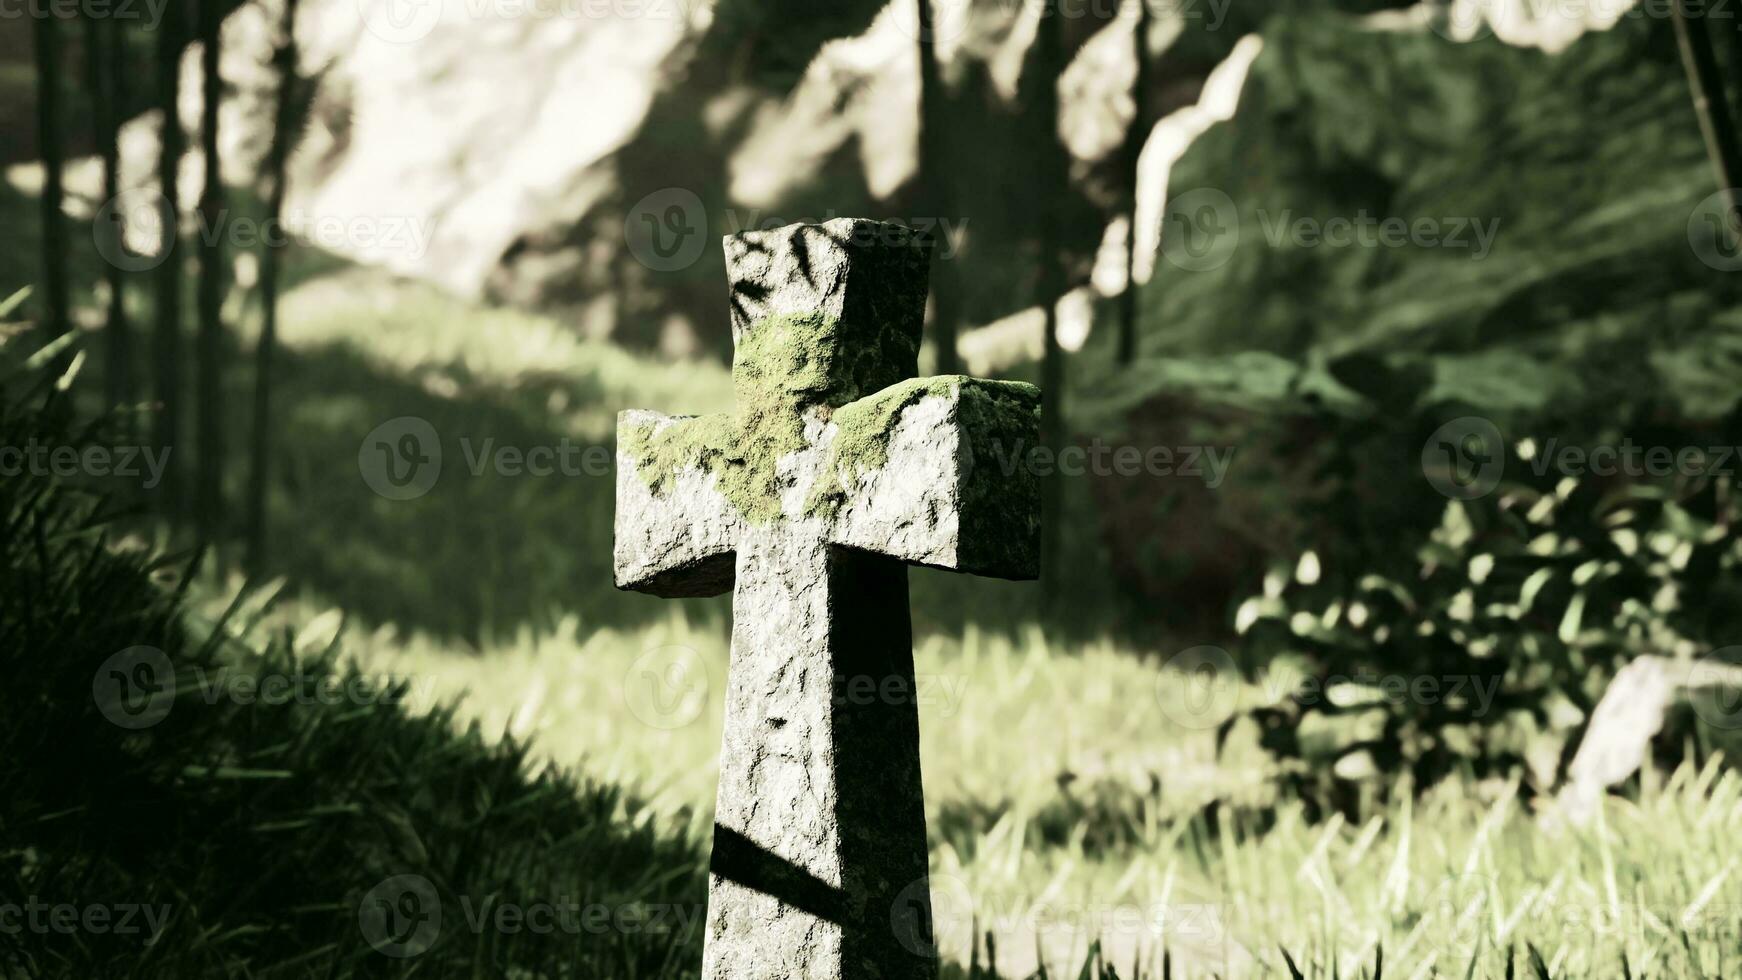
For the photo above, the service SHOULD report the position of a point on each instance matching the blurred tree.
(286, 127)
(1717, 126)
(1054, 178)
(105, 53)
(48, 138)
(936, 174)
(209, 473)
(167, 341)
(1134, 140)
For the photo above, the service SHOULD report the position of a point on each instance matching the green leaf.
(49, 352)
(11, 303)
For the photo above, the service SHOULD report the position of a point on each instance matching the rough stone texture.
(930, 486)
(678, 542)
(834, 472)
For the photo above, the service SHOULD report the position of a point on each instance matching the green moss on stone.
(862, 436)
(785, 366)
(989, 412)
(660, 454)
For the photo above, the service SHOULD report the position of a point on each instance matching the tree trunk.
(278, 155)
(167, 339)
(935, 174)
(209, 494)
(1133, 154)
(1717, 126)
(1054, 172)
(48, 138)
(104, 48)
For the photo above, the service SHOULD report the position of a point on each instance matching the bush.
(1482, 645)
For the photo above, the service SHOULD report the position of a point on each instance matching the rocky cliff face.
(587, 155)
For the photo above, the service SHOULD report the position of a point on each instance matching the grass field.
(1074, 792)
(1068, 794)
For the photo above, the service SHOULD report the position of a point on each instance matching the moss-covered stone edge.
(786, 365)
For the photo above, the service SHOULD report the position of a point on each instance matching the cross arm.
(932, 471)
(675, 531)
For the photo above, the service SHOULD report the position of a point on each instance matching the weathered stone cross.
(836, 471)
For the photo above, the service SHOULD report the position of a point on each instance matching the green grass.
(1073, 793)
(1070, 796)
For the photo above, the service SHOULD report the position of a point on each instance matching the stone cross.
(836, 471)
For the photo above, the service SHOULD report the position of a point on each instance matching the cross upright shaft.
(836, 470)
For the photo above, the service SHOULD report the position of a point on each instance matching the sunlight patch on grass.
(453, 347)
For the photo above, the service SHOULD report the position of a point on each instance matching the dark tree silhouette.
(936, 172)
(167, 346)
(48, 139)
(209, 470)
(1054, 174)
(1134, 141)
(105, 50)
(1711, 105)
(286, 127)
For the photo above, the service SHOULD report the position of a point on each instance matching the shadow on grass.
(217, 810)
(480, 544)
